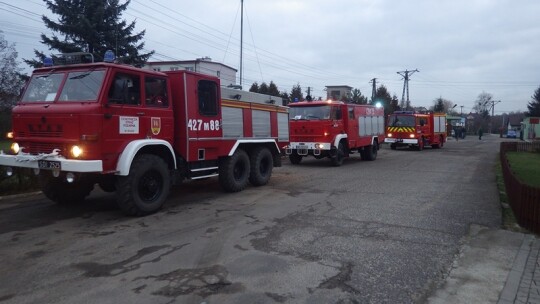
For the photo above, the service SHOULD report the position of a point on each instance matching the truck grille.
(49, 131)
(37, 148)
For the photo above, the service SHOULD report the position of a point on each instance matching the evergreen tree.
(394, 104)
(263, 88)
(254, 87)
(273, 89)
(92, 26)
(534, 105)
(358, 98)
(382, 96)
(439, 105)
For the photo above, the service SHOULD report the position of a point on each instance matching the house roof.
(180, 62)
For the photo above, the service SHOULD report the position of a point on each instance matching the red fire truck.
(335, 130)
(136, 132)
(409, 128)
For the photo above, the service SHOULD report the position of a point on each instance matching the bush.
(22, 180)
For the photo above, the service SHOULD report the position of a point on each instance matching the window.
(81, 86)
(208, 98)
(218, 73)
(351, 112)
(43, 88)
(125, 89)
(335, 95)
(156, 91)
(174, 68)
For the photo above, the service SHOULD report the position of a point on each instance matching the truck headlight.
(15, 148)
(389, 135)
(10, 135)
(76, 151)
(411, 135)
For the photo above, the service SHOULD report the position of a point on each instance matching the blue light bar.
(109, 56)
(47, 62)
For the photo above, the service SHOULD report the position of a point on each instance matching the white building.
(204, 65)
(338, 92)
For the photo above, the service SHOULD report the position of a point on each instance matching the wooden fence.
(524, 199)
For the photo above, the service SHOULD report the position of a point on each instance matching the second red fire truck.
(418, 130)
(333, 129)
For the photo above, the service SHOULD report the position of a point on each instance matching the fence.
(524, 199)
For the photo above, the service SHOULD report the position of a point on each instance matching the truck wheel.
(295, 158)
(337, 160)
(371, 152)
(61, 192)
(107, 183)
(234, 172)
(393, 146)
(261, 163)
(146, 188)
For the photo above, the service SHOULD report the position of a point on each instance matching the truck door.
(133, 110)
(352, 129)
(203, 118)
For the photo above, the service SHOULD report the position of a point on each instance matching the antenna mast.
(406, 75)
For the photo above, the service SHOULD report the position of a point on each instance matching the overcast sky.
(460, 47)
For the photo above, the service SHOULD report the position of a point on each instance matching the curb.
(510, 290)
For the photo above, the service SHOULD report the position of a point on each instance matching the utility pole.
(374, 90)
(406, 75)
(492, 106)
(241, 36)
(461, 113)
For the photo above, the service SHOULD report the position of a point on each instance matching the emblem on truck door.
(156, 125)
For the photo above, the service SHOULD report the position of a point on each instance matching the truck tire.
(61, 192)
(234, 171)
(295, 158)
(370, 153)
(393, 146)
(146, 188)
(261, 164)
(337, 160)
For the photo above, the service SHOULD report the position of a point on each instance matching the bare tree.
(11, 80)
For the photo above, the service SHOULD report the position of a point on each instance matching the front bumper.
(50, 162)
(303, 148)
(406, 141)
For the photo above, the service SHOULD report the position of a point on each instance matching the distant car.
(511, 134)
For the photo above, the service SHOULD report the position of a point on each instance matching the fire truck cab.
(138, 131)
(413, 129)
(333, 129)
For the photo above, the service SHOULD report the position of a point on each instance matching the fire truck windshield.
(314, 112)
(401, 121)
(79, 86)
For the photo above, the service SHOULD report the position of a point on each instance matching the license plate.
(48, 164)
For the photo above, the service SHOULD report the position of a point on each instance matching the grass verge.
(525, 166)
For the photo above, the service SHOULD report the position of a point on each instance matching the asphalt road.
(385, 231)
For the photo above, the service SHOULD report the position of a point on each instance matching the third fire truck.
(413, 129)
(335, 130)
(137, 131)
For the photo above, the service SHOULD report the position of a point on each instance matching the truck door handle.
(140, 113)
